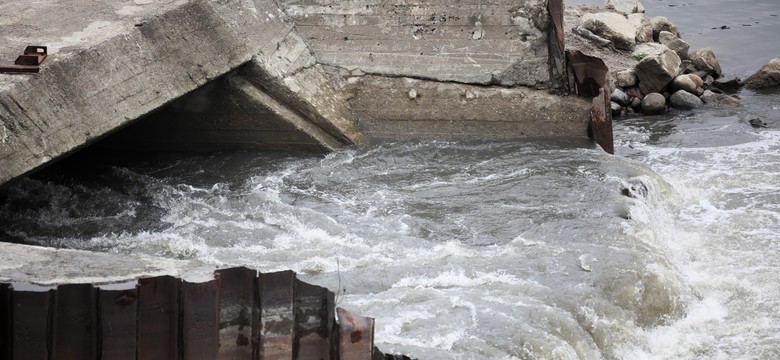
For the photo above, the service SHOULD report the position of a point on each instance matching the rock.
(634, 92)
(715, 99)
(696, 80)
(625, 78)
(705, 60)
(768, 75)
(661, 23)
(657, 69)
(757, 123)
(685, 100)
(653, 104)
(699, 92)
(675, 43)
(620, 97)
(617, 110)
(613, 27)
(636, 103)
(729, 86)
(625, 6)
(684, 82)
(644, 30)
(412, 94)
(643, 50)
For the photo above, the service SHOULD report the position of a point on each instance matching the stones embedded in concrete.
(705, 60)
(654, 104)
(657, 69)
(767, 76)
(682, 99)
(612, 26)
(675, 43)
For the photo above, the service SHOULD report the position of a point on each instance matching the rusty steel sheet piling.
(601, 123)
(118, 326)
(315, 318)
(158, 318)
(236, 306)
(5, 321)
(277, 314)
(356, 336)
(75, 322)
(200, 320)
(237, 315)
(31, 323)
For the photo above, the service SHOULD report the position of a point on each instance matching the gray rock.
(661, 23)
(653, 104)
(625, 78)
(767, 76)
(625, 6)
(636, 103)
(675, 43)
(657, 69)
(617, 110)
(613, 27)
(620, 97)
(715, 99)
(705, 60)
(729, 86)
(685, 100)
(644, 29)
(684, 82)
(643, 50)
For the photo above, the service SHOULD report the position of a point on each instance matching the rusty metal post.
(158, 318)
(601, 121)
(5, 321)
(200, 320)
(74, 333)
(278, 315)
(31, 321)
(236, 306)
(356, 336)
(314, 311)
(118, 325)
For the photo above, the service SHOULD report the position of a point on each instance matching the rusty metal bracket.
(28, 62)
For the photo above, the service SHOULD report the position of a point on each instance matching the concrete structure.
(305, 75)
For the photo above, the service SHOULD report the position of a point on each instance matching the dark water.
(532, 250)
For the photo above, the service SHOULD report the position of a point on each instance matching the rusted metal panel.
(200, 320)
(556, 38)
(31, 321)
(118, 325)
(158, 318)
(314, 315)
(32, 56)
(277, 314)
(5, 321)
(236, 307)
(74, 333)
(356, 336)
(590, 73)
(601, 121)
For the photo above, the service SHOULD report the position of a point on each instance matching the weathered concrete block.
(500, 42)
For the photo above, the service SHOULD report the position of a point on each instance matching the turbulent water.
(532, 250)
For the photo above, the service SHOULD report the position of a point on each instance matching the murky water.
(532, 250)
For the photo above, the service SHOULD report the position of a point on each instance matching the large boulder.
(625, 6)
(705, 60)
(768, 75)
(661, 23)
(644, 29)
(612, 26)
(682, 99)
(657, 69)
(675, 43)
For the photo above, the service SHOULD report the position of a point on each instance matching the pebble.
(620, 97)
(685, 100)
(654, 103)
(684, 82)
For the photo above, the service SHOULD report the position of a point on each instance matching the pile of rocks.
(665, 73)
